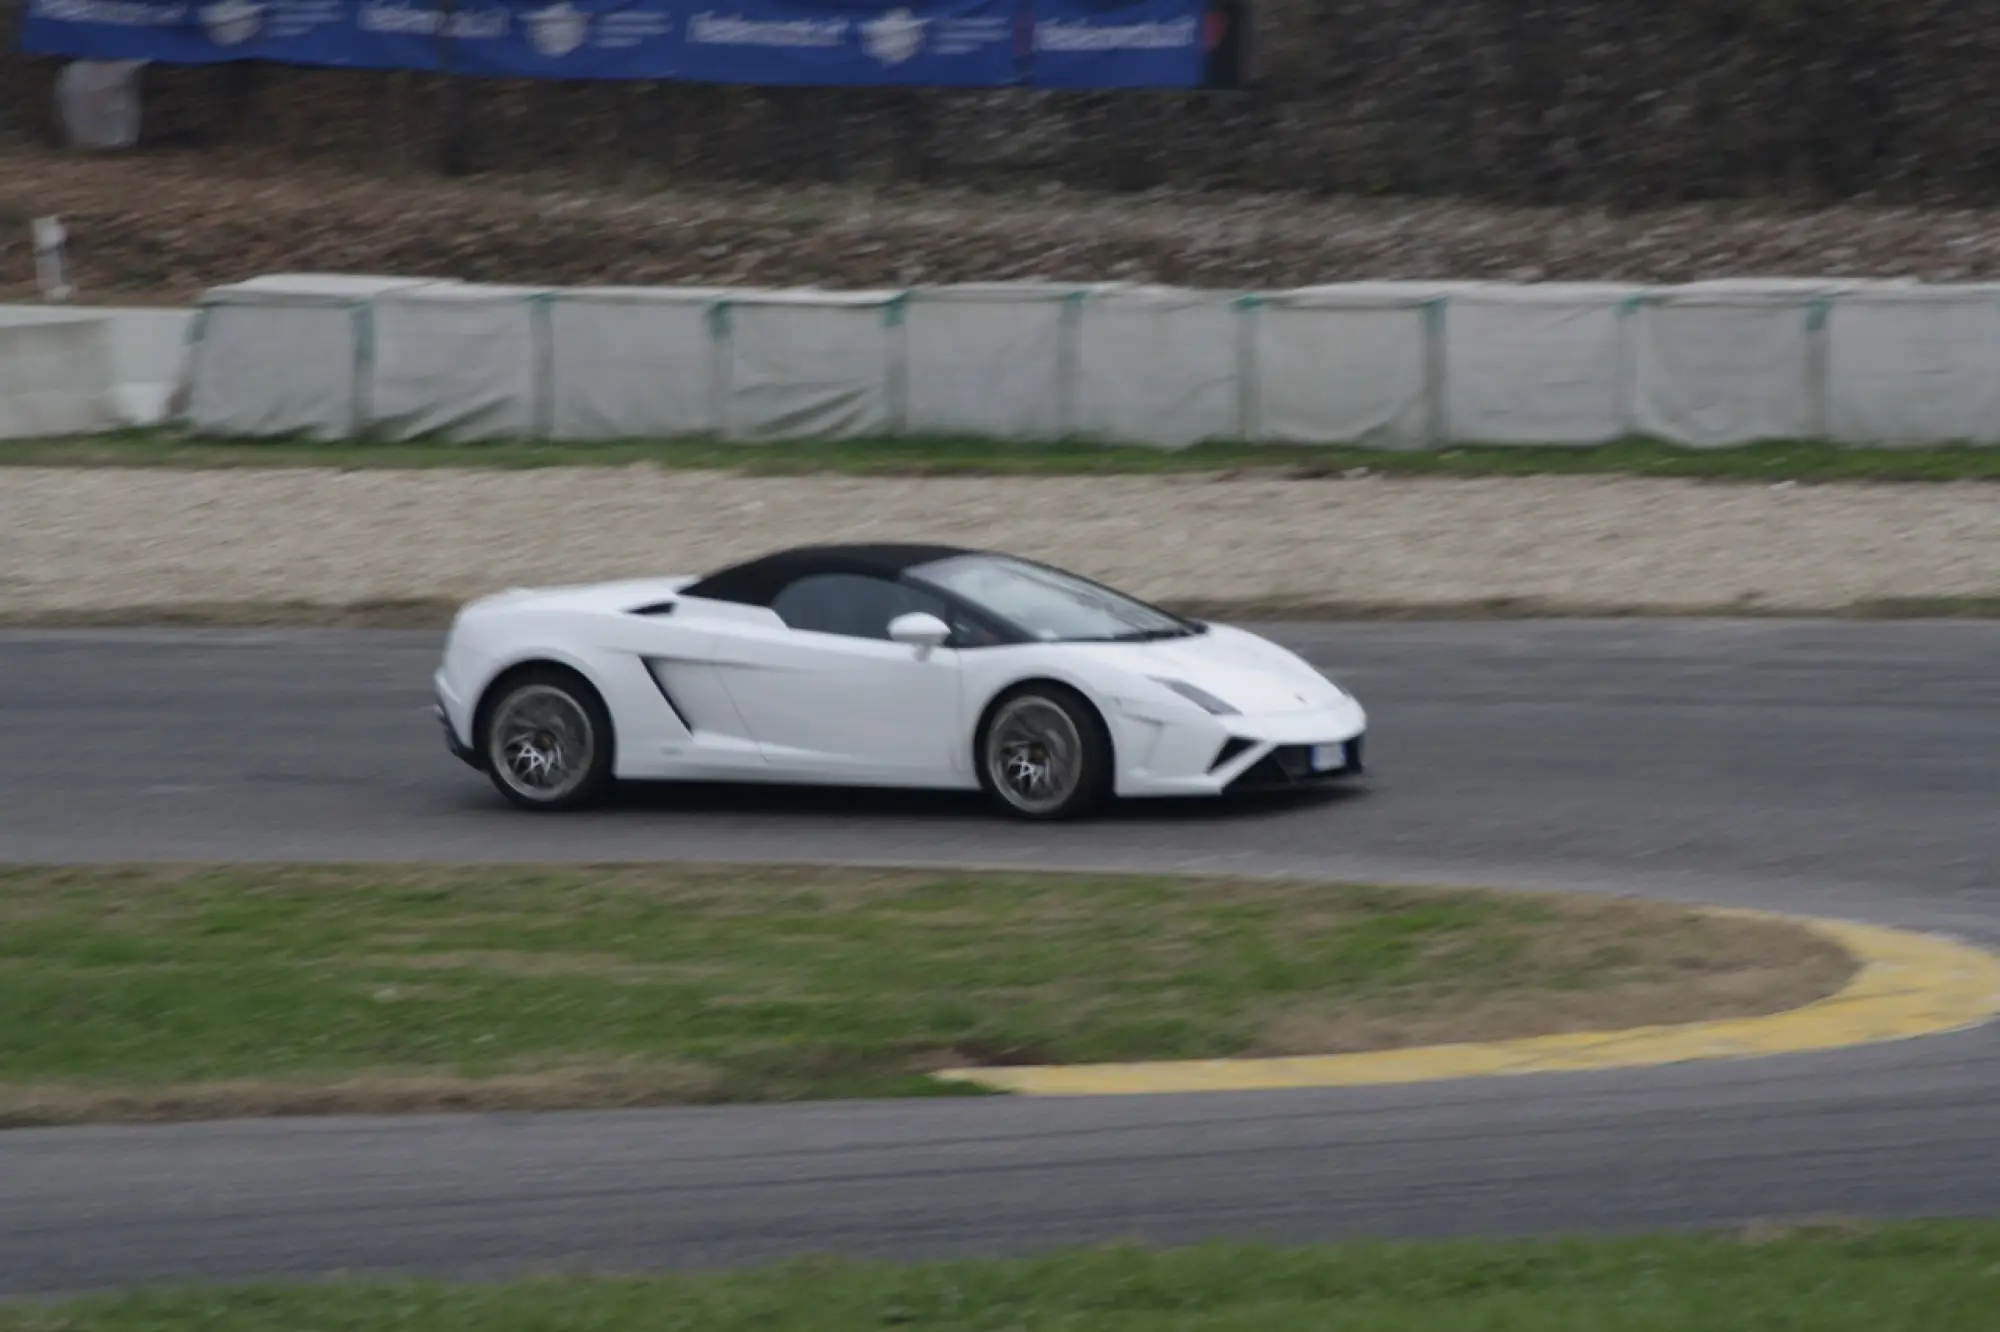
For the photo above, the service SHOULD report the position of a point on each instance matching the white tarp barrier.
(1160, 366)
(1826, 288)
(1340, 365)
(284, 355)
(458, 361)
(1392, 290)
(1717, 364)
(1735, 360)
(1387, 363)
(1914, 366)
(634, 363)
(1537, 365)
(351, 286)
(990, 359)
(809, 364)
(149, 356)
(148, 352)
(56, 377)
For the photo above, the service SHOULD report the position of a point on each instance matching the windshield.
(1050, 605)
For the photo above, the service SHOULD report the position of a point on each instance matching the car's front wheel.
(1044, 754)
(548, 741)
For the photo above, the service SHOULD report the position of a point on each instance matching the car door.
(831, 696)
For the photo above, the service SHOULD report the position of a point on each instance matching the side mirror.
(919, 629)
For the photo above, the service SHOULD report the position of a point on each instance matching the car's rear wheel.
(1044, 754)
(547, 741)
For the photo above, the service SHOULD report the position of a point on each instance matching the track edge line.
(1908, 985)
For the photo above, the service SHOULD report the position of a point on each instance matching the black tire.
(1064, 718)
(575, 733)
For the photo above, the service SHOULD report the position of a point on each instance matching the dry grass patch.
(1763, 463)
(191, 992)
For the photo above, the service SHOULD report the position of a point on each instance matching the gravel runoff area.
(161, 226)
(90, 542)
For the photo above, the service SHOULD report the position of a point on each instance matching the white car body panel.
(717, 691)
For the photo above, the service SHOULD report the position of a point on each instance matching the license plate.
(1328, 758)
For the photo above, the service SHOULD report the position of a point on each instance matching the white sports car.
(910, 666)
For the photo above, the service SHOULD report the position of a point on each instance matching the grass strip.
(178, 992)
(1775, 461)
(1917, 1277)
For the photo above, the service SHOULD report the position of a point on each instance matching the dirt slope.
(158, 227)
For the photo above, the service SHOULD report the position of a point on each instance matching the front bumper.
(1301, 768)
(1213, 756)
(443, 707)
(461, 751)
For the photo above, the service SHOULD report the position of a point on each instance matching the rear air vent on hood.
(654, 608)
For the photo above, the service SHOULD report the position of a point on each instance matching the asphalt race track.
(1842, 769)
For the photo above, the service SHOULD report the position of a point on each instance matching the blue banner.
(920, 43)
(1119, 44)
(313, 32)
(940, 43)
(567, 39)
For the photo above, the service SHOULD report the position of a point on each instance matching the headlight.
(1201, 698)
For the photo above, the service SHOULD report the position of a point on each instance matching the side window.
(853, 605)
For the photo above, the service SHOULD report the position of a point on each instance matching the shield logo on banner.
(230, 22)
(894, 37)
(558, 30)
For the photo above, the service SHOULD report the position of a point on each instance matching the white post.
(49, 238)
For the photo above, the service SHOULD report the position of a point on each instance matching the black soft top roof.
(755, 582)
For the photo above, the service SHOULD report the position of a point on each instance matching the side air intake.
(1231, 747)
(657, 670)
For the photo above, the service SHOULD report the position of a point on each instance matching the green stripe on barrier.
(542, 407)
(1069, 353)
(1436, 427)
(362, 402)
(896, 374)
(720, 327)
(1249, 383)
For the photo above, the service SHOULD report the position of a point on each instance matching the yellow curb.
(1907, 985)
